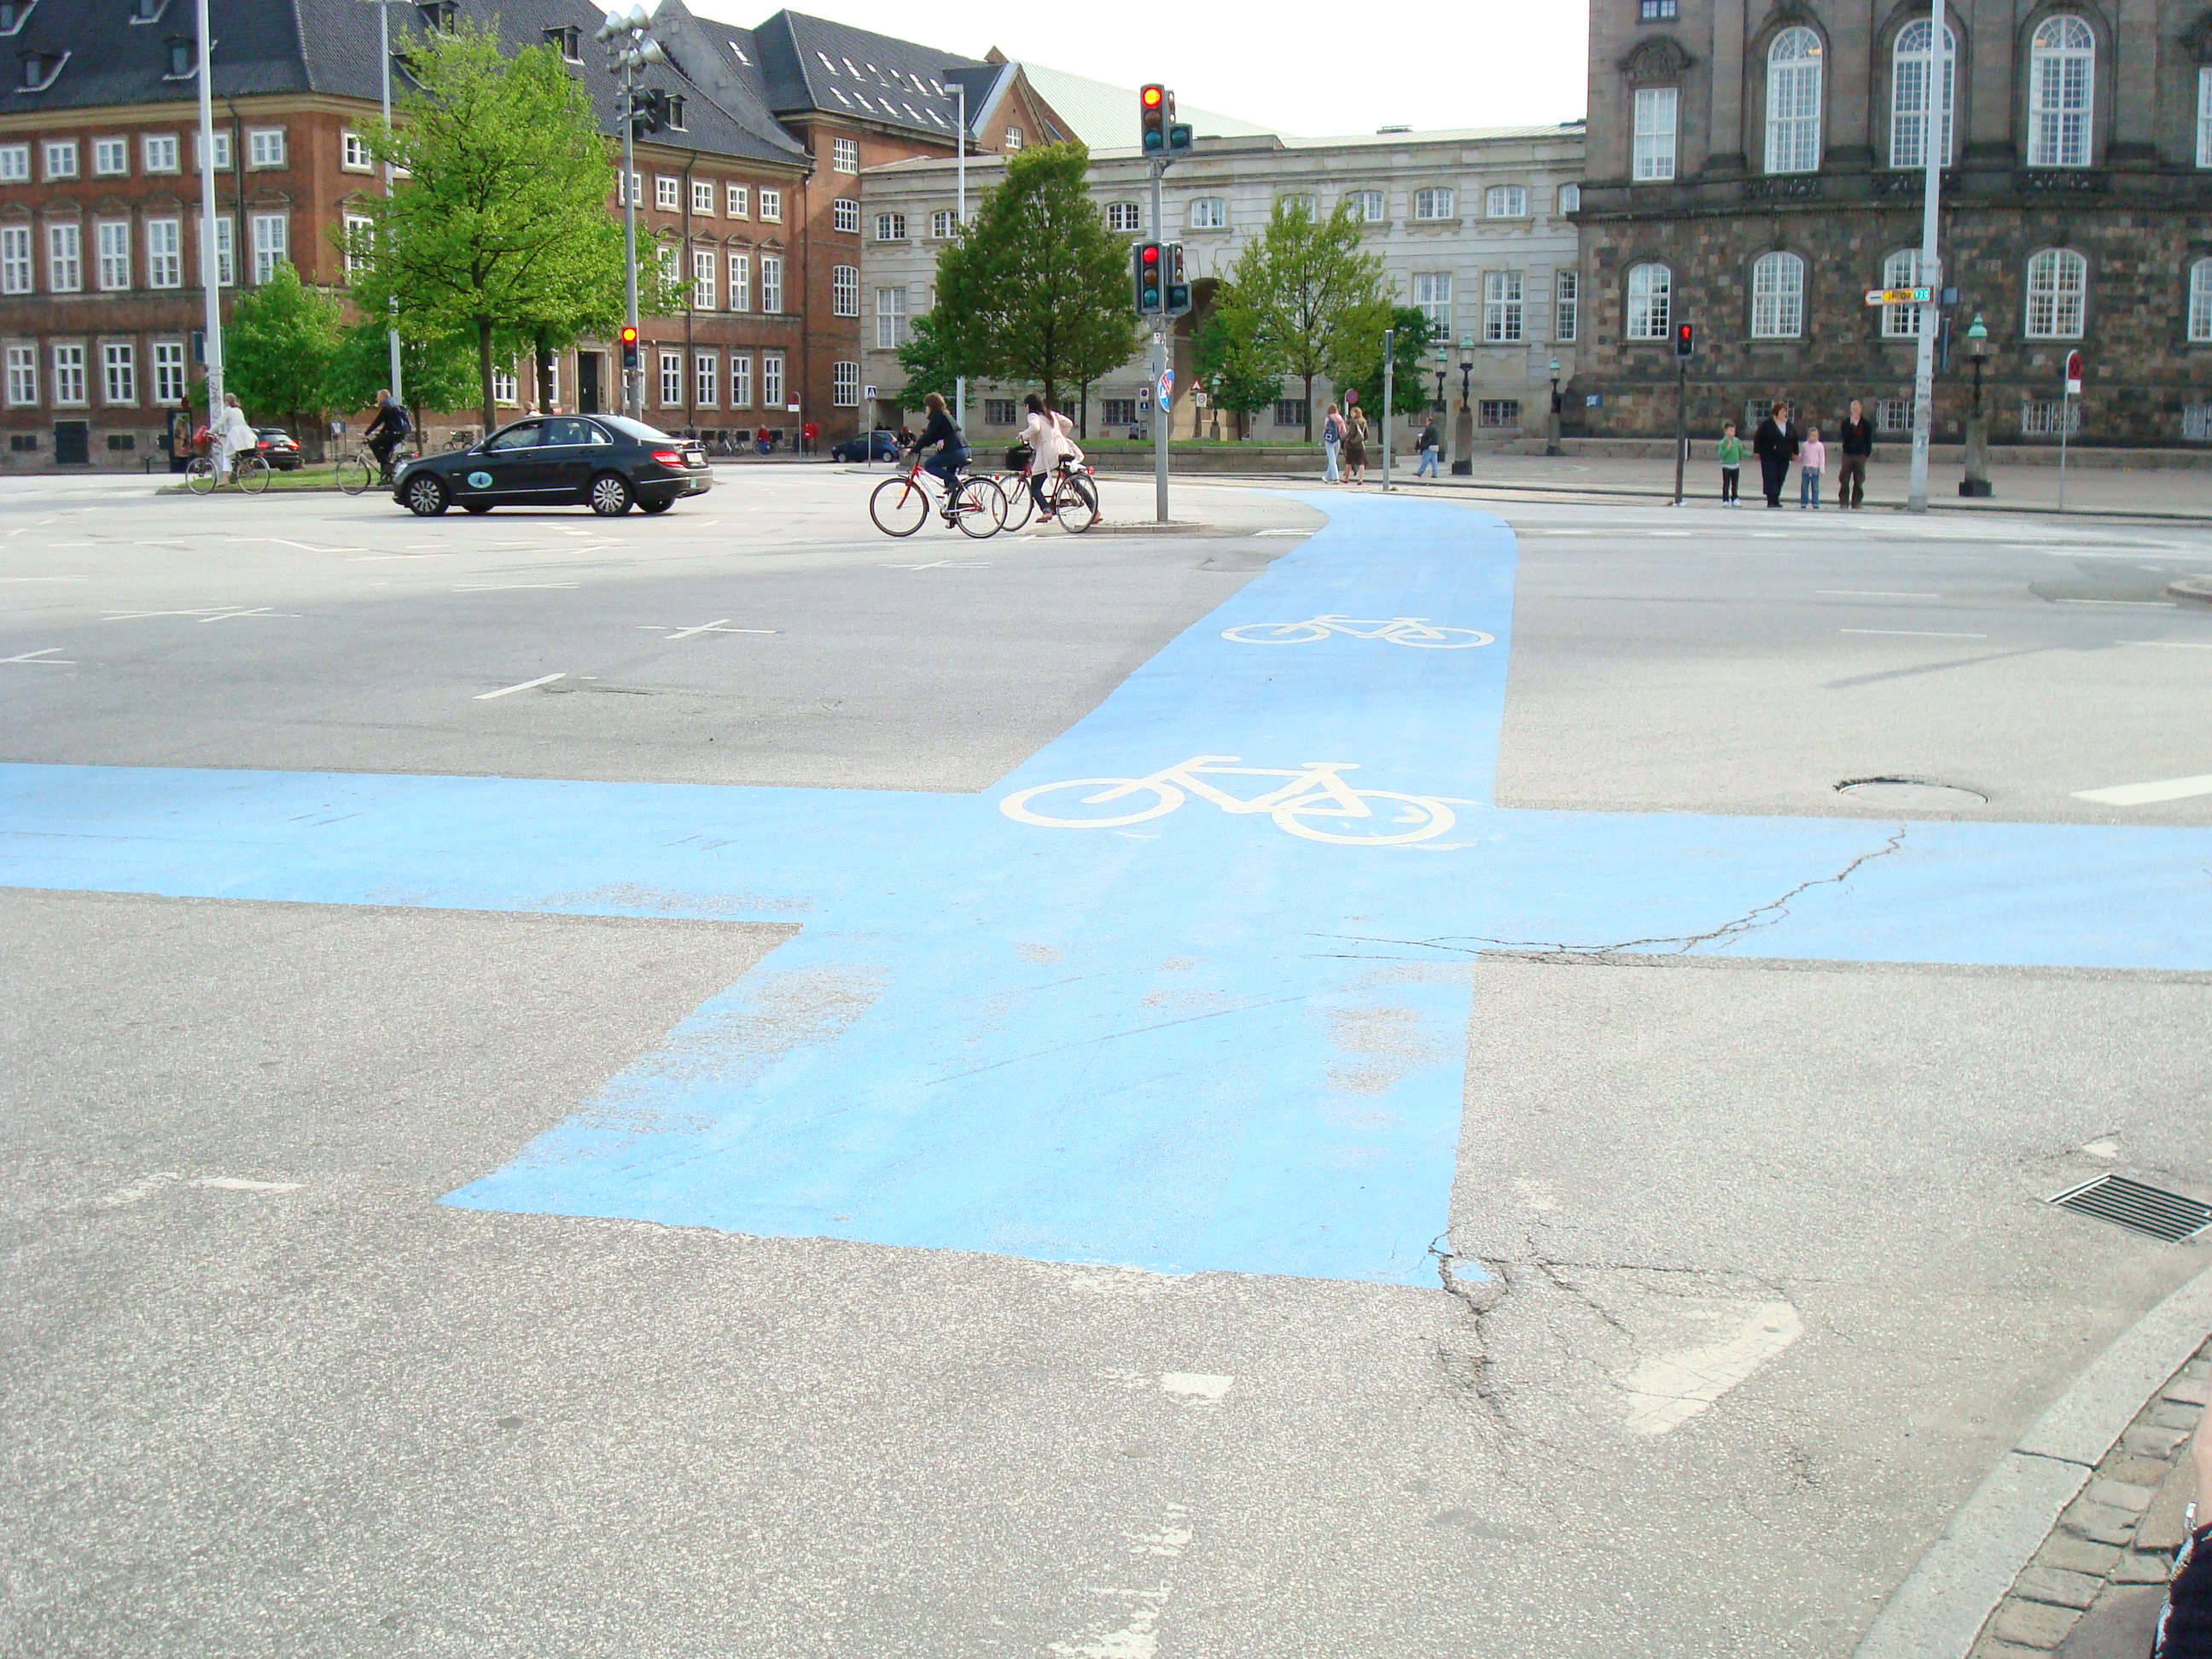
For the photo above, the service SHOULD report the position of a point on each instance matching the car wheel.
(656, 506)
(476, 506)
(610, 495)
(426, 496)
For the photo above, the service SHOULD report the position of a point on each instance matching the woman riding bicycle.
(231, 435)
(1051, 438)
(952, 449)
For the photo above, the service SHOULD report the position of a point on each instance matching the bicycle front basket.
(1018, 458)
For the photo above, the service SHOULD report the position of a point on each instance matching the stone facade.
(2117, 192)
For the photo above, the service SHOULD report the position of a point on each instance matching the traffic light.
(1178, 290)
(1685, 340)
(629, 346)
(648, 110)
(1146, 260)
(1156, 113)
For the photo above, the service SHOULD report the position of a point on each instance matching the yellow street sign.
(1901, 296)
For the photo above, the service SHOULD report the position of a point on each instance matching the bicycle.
(900, 505)
(249, 473)
(1416, 631)
(1315, 798)
(358, 473)
(1072, 498)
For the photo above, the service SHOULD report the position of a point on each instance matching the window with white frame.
(941, 223)
(845, 154)
(168, 371)
(1650, 301)
(2204, 119)
(771, 205)
(1011, 139)
(157, 152)
(1497, 411)
(111, 242)
(1505, 202)
(1432, 204)
(2197, 423)
(1209, 213)
(702, 197)
(2200, 303)
(1793, 102)
(14, 164)
(671, 380)
(2061, 92)
(22, 376)
(670, 263)
(703, 263)
(69, 375)
(110, 158)
(1571, 198)
(61, 161)
(226, 251)
(1892, 414)
(707, 379)
(1502, 307)
(668, 193)
(2058, 292)
(358, 232)
(1778, 297)
(1567, 305)
(1296, 202)
(890, 318)
(1913, 71)
(1901, 270)
(890, 226)
(2048, 419)
(771, 282)
(272, 244)
(1432, 296)
(265, 147)
(845, 385)
(504, 387)
(741, 379)
(844, 290)
(737, 201)
(1120, 215)
(64, 258)
(1368, 206)
(15, 258)
(624, 196)
(221, 150)
(845, 216)
(772, 380)
(353, 155)
(1658, 110)
(741, 281)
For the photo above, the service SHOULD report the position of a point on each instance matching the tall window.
(271, 244)
(706, 379)
(22, 375)
(1901, 270)
(703, 261)
(1368, 207)
(845, 154)
(702, 197)
(159, 152)
(1120, 215)
(1432, 294)
(2062, 76)
(1657, 112)
(2058, 286)
(14, 164)
(737, 201)
(265, 147)
(15, 259)
(1778, 297)
(1506, 202)
(771, 205)
(353, 153)
(1650, 301)
(1501, 306)
(890, 226)
(360, 233)
(1793, 102)
(112, 237)
(2204, 117)
(741, 381)
(1571, 198)
(69, 375)
(671, 380)
(226, 251)
(845, 216)
(890, 318)
(1209, 213)
(844, 290)
(111, 157)
(1432, 204)
(64, 258)
(118, 371)
(2200, 302)
(741, 281)
(61, 161)
(168, 371)
(771, 298)
(1912, 72)
(1566, 307)
(845, 384)
(772, 380)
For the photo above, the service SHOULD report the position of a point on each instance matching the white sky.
(1316, 70)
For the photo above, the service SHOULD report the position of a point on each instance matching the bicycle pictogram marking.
(1314, 804)
(1416, 631)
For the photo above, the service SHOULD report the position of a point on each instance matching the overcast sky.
(1316, 69)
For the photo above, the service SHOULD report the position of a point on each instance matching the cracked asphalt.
(1750, 1274)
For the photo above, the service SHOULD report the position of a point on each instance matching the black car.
(877, 446)
(605, 462)
(278, 447)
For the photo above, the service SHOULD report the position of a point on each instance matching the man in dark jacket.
(1776, 446)
(1858, 450)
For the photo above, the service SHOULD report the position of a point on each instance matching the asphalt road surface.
(872, 1234)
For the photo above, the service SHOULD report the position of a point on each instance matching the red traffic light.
(629, 335)
(1152, 253)
(1684, 332)
(1152, 97)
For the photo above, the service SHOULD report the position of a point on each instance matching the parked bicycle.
(249, 473)
(1072, 497)
(1315, 804)
(359, 473)
(901, 506)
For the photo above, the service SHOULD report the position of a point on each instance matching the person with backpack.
(1431, 446)
(1331, 442)
(952, 449)
(385, 431)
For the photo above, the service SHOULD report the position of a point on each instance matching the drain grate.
(2130, 1204)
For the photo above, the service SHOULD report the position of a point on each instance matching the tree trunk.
(1309, 380)
(483, 372)
(543, 357)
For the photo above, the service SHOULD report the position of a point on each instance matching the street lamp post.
(1463, 425)
(630, 49)
(210, 270)
(1931, 275)
(1980, 350)
(384, 66)
(1552, 426)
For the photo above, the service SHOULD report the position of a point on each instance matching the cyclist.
(1051, 438)
(952, 449)
(385, 431)
(233, 436)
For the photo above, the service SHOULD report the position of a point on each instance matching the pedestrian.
(1431, 446)
(233, 436)
(1731, 454)
(1775, 443)
(1332, 443)
(1812, 462)
(2185, 1625)
(1355, 445)
(1858, 450)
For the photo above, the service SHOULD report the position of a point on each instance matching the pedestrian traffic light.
(629, 346)
(1156, 114)
(648, 110)
(1178, 290)
(1685, 340)
(1146, 262)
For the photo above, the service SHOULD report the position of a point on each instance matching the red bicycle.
(901, 506)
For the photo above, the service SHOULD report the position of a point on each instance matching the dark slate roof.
(812, 65)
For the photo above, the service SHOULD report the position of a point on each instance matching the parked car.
(278, 447)
(606, 462)
(877, 446)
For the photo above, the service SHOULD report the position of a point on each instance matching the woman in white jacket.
(1051, 438)
(233, 435)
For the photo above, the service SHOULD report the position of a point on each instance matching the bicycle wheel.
(1106, 798)
(1443, 639)
(356, 474)
(1075, 502)
(1303, 633)
(1405, 819)
(1014, 492)
(199, 475)
(976, 506)
(251, 473)
(899, 506)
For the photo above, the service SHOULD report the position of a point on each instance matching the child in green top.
(1732, 454)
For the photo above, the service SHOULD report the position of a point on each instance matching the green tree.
(277, 350)
(435, 373)
(923, 359)
(1357, 358)
(1238, 371)
(501, 228)
(1036, 290)
(1305, 281)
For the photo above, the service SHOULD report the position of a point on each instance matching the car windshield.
(637, 429)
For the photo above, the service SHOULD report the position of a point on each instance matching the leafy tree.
(1034, 291)
(1238, 371)
(1305, 281)
(436, 372)
(923, 358)
(277, 350)
(1357, 359)
(501, 228)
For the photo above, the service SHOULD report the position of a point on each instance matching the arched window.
(1901, 270)
(2062, 91)
(1778, 297)
(2200, 302)
(1650, 301)
(2058, 284)
(1793, 102)
(1911, 75)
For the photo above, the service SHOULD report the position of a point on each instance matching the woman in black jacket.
(1776, 445)
(952, 452)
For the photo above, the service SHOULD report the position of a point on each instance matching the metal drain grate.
(2130, 1204)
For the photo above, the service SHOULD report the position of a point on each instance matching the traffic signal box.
(1178, 289)
(1146, 261)
(648, 110)
(629, 346)
(1163, 136)
(1685, 340)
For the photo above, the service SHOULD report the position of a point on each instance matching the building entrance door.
(73, 443)
(587, 382)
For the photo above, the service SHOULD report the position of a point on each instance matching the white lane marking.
(236, 1184)
(2171, 645)
(1858, 593)
(1308, 533)
(2137, 604)
(1196, 1385)
(527, 686)
(45, 658)
(1913, 633)
(44, 579)
(206, 613)
(939, 564)
(714, 627)
(2108, 1147)
(1667, 1392)
(2148, 795)
(146, 1186)
(1677, 534)
(1132, 1632)
(504, 587)
(305, 547)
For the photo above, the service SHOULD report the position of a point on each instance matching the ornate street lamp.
(1979, 349)
(1552, 426)
(1463, 426)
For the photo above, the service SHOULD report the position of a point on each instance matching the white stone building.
(1472, 227)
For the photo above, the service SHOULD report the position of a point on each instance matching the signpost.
(1163, 139)
(1934, 135)
(2074, 367)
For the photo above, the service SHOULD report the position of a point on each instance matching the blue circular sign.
(480, 481)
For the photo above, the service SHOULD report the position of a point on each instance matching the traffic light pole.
(1931, 276)
(1681, 422)
(633, 380)
(1163, 407)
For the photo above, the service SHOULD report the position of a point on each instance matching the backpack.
(1332, 429)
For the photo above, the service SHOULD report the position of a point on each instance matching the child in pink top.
(1812, 462)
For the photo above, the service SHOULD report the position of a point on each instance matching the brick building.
(1755, 165)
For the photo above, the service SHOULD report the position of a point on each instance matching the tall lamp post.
(1980, 350)
(630, 49)
(1441, 367)
(1463, 425)
(384, 66)
(1552, 426)
(210, 267)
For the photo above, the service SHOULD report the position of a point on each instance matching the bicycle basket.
(1018, 457)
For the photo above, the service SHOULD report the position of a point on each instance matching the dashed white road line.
(1913, 633)
(527, 686)
(715, 627)
(1855, 593)
(44, 579)
(2171, 645)
(45, 658)
(2148, 795)
(2138, 605)
(207, 614)
(504, 587)
(940, 564)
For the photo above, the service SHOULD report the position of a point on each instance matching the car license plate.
(695, 458)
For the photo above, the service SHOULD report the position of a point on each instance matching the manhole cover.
(2130, 1204)
(1909, 795)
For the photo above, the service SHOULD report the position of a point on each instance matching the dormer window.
(148, 11)
(184, 59)
(570, 40)
(40, 69)
(675, 119)
(14, 14)
(438, 15)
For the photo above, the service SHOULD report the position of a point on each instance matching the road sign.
(869, 393)
(1901, 296)
(1199, 397)
(1144, 397)
(1167, 388)
(2074, 368)
(792, 407)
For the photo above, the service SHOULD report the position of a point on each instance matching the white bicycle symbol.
(1316, 804)
(1416, 631)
